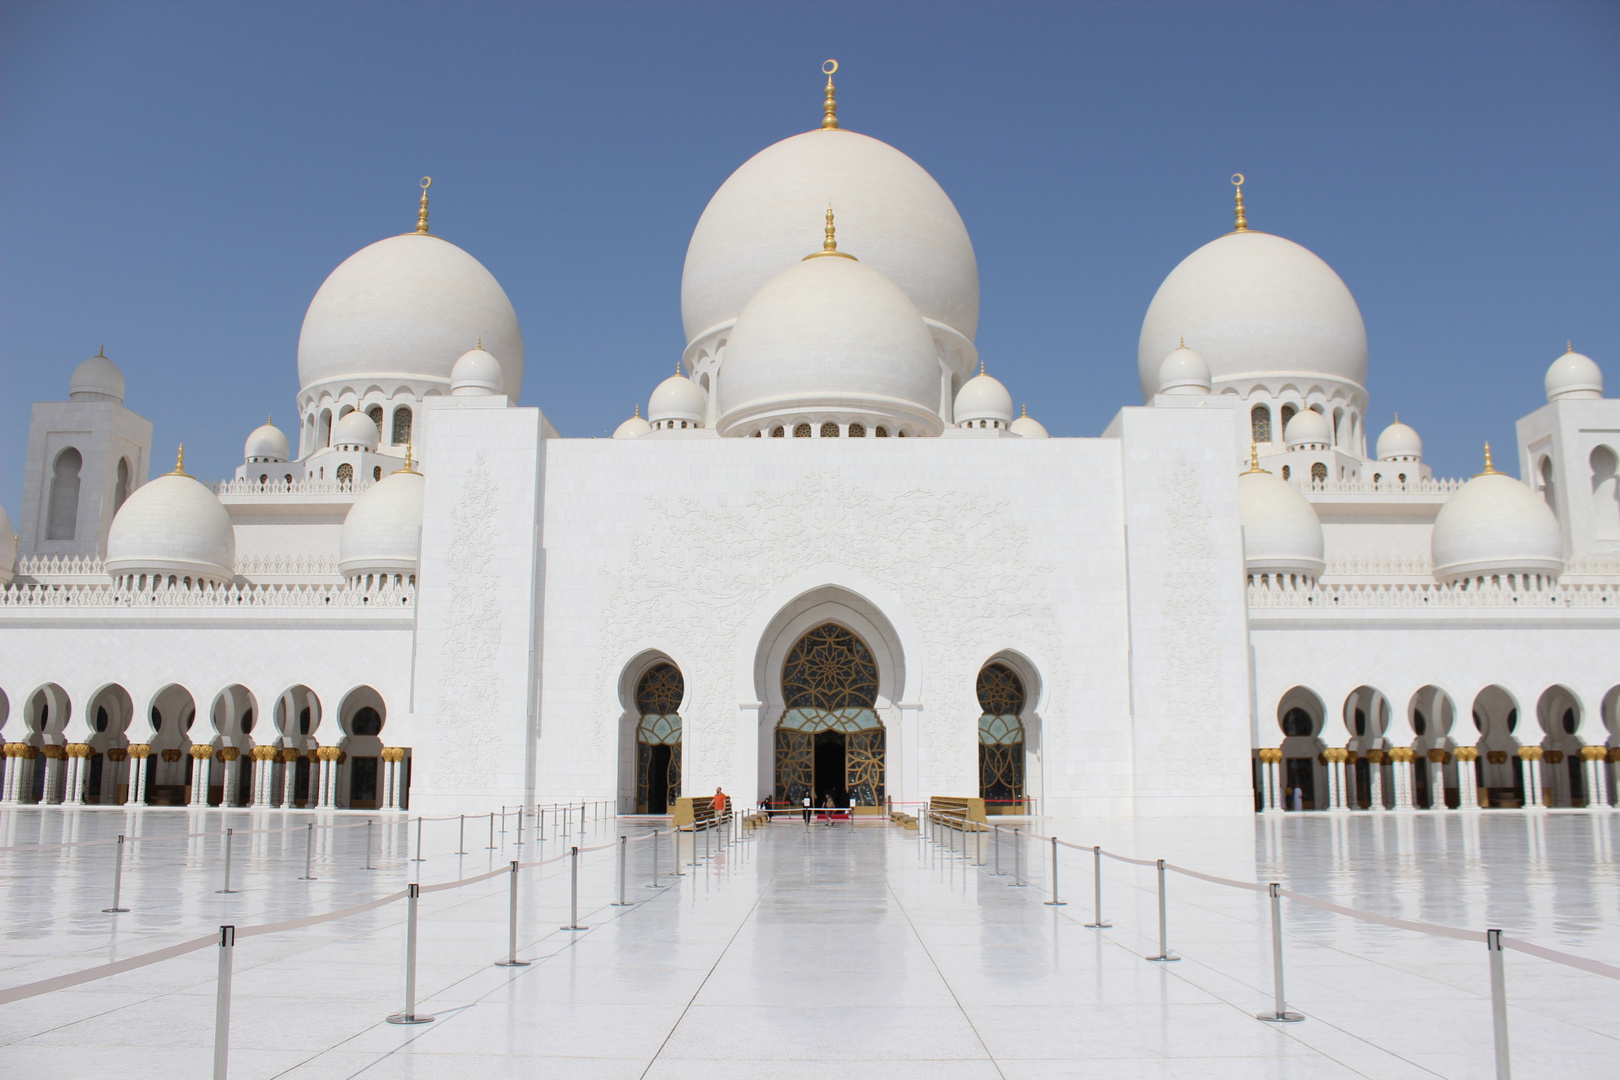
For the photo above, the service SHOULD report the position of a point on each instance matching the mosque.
(831, 559)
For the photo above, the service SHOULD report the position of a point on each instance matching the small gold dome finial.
(1183, 342)
(1490, 470)
(1569, 347)
(1242, 222)
(1023, 411)
(180, 461)
(267, 419)
(638, 412)
(981, 365)
(421, 215)
(1397, 418)
(1254, 460)
(410, 462)
(829, 246)
(101, 351)
(480, 345)
(829, 107)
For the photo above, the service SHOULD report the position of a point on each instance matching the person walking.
(807, 808)
(827, 808)
(719, 805)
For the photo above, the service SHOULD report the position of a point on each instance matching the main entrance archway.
(829, 741)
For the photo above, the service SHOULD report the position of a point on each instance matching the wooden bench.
(695, 812)
(959, 813)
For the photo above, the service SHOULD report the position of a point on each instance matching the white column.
(1268, 781)
(136, 793)
(73, 786)
(22, 779)
(1533, 799)
(389, 768)
(1437, 785)
(6, 772)
(328, 783)
(199, 780)
(1467, 779)
(312, 793)
(53, 778)
(1375, 782)
(1403, 784)
(1335, 783)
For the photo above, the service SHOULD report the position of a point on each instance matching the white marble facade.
(1221, 598)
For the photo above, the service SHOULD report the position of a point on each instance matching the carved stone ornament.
(472, 641)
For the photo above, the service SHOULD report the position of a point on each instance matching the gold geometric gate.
(830, 683)
(1001, 734)
(658, 770)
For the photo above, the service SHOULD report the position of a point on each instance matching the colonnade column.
(6, 769)
(312, 794)
(136, 793)
(78, 773)
(21, 787)
(264, 764)
(1467, 779)
(289, 777)
(1402, 757)
(55, 762)
(200, 756)
(232, 783)
(1350, 800)
(1437, 778)
(1531, 756)
(1375, 779)
(392, 756)
(329, 762)
(1335, 768)
(1597, 788)
(1269, 757)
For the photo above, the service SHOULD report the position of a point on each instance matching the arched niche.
(298, 716)
(108, 715)
(171, 715)
(1495, 713)
(362, 715)
(1559, 713)
(234, 714)
(1009, 742)
(1431, 715)
(632, 758)
(45, 715)
(1301, 714)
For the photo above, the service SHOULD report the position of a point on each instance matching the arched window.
(1318, 473)
(1605, 491)
(402, 425)
(376, 414)
(830, 742)
(1001, 735)
(1260, 424)
(323, 436)
(829, 430)
(1297, 722)
(801, 431)
(345, 473)
(658, 738)
(62, 518)
(777, 432)
(1288, 412)
(857, 431)
(366, 722)
(881, 432)
(121, 487)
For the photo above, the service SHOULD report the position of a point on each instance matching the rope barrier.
(181, 836)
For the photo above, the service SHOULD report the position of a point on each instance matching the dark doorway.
(93, 789)
(658, 756)
(363, 783)
(830, 767)
(1302, 775)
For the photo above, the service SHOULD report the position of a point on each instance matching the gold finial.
(480, 345)
(410, 462)
(829, 246)
(638, 412)
(101, 351)
(1397, 418)
(1569, 347)
(1490, 470)
(1023, 411)
(1242, 222)
(829, 107)
(421, 215)
(981, 365)
(1254, 460)
(1183, 341)
(180, 461)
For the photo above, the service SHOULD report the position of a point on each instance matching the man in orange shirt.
(719, 804)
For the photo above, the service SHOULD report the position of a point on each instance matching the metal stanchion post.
(694, 861)
(520, 826)
(222, 1002)
(418, 840)
(995, 849)
(1165, 954)
(368, 845)
(582, 819)
(675, 844)
(227, 888)
(564, 834)
(707, 855)
(461, 836)
(573, 891)
(1055, 902)
(511, 925)
(409, 1015)
(118, 878)
(491, 831)
(309, 853)
(1499, 1021)
(1280, 1014)
(653, 884)
(624, 847)
(978, 843)
(1018, 861)
(540, 825)
(503, 825)
(1096, 922)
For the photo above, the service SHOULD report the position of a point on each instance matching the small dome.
(172, 527)
(267, 443)
(476, 374)
(1029, 427)
(633, 428)
(677, 398)
(1308, 429)
(383, 530)
(830, 335)
(356, 429)
(1399, 442)
(8, 548)
(983, 398)
(1183, 372)
(1571, 376)
(1281, 532)
(97, 379)
(1495, 524)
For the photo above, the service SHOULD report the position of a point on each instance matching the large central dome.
(768, 214)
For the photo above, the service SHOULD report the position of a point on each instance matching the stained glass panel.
(660, 690)
(830, 669)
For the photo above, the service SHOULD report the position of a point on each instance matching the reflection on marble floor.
(809, 952)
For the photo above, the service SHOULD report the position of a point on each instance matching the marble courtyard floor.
(816, 952)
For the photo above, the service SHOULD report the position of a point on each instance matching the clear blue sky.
(176, 180)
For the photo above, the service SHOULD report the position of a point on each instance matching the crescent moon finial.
(829, 105)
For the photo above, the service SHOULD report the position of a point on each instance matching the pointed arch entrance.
(659, 692)
(830, 741)
(1001, 736)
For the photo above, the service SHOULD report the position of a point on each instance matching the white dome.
(172, 526)
(1308, 428)
(267, 443)
(1258, 306)
(767, 215)
(1281, 532)
(97, 379)
(476, 374)
(356, 429)
(1571, 376)
(1398, 442)
(829, 336)
(677, 398)
(383, 530)
(1183, 372)
(404, 309)
(1029, 427)
(1496, 525)
(8, 547)
(633, 428)
(983, 398)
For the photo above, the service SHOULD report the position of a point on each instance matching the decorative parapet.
(229, 596)
(297, 487)
(1417, 485)
(256, 566)
(1378, 568)
(1510, 591)
(62, 569)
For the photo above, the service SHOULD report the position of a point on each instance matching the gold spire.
(480, 345)
(829, 246)
(829, 107)
(981, 365)
(180, 461)
(1569, 347)
(1254, 460)
(410, 463)
(1397, 418)
(1183, 341)
(1023, 412)
(1490, 470)
(101, 351)
(1242, 222)
(421, 215)
(638, 412)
